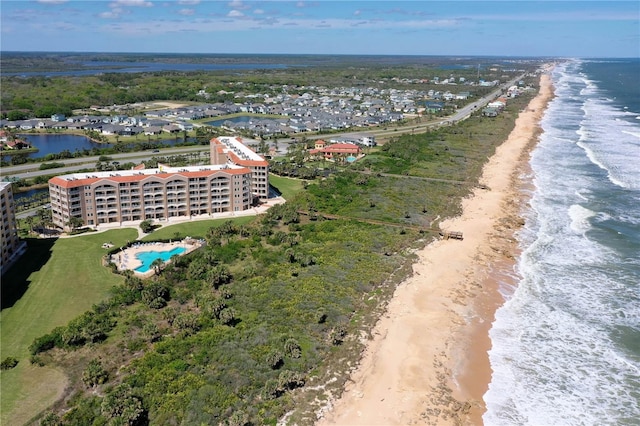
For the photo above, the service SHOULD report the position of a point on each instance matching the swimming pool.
(147, 257)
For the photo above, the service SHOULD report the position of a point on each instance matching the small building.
(336, 150)
(490, 112)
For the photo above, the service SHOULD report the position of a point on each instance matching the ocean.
(566, 342)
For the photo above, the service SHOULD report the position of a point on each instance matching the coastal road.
(30, 170)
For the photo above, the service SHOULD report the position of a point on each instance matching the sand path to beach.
(428, 363)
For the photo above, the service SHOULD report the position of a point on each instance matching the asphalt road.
(25, 171)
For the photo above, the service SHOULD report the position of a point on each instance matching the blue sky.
(505, 28)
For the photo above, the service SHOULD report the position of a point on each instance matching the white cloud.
(133, 3)
(237, 4)
(235, 14)
(186, 12)
(149, 28)
(188, 2)
(258, 12)
(114, 13)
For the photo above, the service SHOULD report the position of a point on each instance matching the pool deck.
(127, 260)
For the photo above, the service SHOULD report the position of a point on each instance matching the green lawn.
(287, 186)
(195, 229)
(62, 281)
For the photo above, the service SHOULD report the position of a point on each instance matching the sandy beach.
(428, 362)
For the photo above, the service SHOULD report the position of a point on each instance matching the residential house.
(334, 151)
(433, 107)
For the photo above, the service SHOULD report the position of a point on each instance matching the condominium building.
(232, 150)
(236, 178)
(12, 246)
(162, 193)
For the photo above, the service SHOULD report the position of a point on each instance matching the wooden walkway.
(446, 234)
(428, 179)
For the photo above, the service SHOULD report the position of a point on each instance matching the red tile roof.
(74, 183)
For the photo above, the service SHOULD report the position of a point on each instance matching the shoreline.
(428, 362)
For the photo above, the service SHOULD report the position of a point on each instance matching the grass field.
(60, 285)
(288, 187)
(195, 229)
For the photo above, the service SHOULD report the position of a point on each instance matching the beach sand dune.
(428, 362)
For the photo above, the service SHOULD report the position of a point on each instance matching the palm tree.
(157, 265)
(75, 222)
(30, 220)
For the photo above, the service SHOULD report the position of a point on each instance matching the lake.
(103, 67)
(54, 144)
(240, 119)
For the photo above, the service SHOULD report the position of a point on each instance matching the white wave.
(631, 133)
(580, 218)
(547, 363)
(551, 353)
(582, 196)
(611, 143)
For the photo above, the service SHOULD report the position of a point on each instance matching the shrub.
(337, 335)
(274, 359)
(50, 419)
(238, 418)
(288, 380)
(157, 303)
(146, 226)
(187, 322)
(36, 360)
(122, 405)
(94, 374)
(270, 390)
(154, 291)
(292, 348)
(8, 363)
(46, 342)
(46, 166)
(228, 316)
(151, 332)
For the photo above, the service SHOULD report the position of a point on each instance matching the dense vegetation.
(229, 330)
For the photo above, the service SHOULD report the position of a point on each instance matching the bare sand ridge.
(428, 362)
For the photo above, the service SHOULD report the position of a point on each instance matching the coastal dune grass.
(70, 281)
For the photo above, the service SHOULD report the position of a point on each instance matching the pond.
(30, 193)
(240, 119)
(54, 144)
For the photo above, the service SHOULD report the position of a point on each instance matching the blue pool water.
(147, 257)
